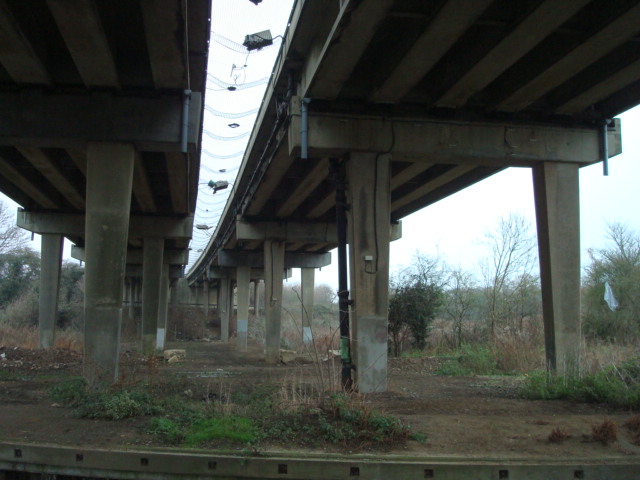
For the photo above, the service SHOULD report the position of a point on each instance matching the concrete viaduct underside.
(413, 101)
(410, 101)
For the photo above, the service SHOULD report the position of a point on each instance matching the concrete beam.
(72, 225)
(227, 258)
(218, 273)
(69, 120)
(248, 230)
(451, 142)
(134, 256)
(84, 36)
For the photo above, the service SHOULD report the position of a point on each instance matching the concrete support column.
(50, 263)
(152, 253)
(243, 278)
(132, 298)
(307, 276)
(205, 300)
(223, 308)
(273, 268)
(163, 309)
(556, 191)
(255, 298)
(369, 193)
(108, 205)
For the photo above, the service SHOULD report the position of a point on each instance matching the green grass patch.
(471, 360)
(226, 428)
(616, 385)
(112, 405)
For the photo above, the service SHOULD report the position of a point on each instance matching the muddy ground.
(459, 416)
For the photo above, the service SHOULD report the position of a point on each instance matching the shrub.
(471, 360)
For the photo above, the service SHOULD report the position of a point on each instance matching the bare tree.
(459, 302)
(11, 236)
(512, 257)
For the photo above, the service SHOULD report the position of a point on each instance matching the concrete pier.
(273, 268)
(307, 280)
(109, 182)
(243, 278)
(368, 177)
(153, 249)
(50, 265)
(557, 201)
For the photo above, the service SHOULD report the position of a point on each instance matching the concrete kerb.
(164, 464)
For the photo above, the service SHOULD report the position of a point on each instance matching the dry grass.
(22, 337)
(633, 425)
(27, 337)
(558, 435)
(605, 433)
(597, 356)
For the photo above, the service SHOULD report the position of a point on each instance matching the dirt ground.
(459, 416)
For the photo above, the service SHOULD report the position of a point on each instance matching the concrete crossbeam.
(73, 225)
(134, 256)
(229, 258)
(451, 142)
(69, 120)
(248, 230)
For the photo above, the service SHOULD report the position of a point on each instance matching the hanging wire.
(237, 86)
(226, 139)
(222, 157)
(218, 113)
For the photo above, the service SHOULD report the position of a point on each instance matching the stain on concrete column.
(368, 177)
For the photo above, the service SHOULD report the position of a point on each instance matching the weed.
(617, 386)
(230, 428)
(605, 433)
(70, 392)
(167, 429)
(558, 435)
